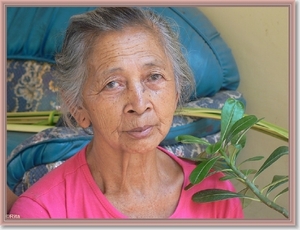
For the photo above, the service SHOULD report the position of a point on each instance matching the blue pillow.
(36, 33)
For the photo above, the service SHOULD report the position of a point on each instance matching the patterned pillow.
(30, 86)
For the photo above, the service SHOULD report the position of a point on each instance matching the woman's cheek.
(112, 111)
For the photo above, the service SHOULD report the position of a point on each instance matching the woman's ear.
(81, 116)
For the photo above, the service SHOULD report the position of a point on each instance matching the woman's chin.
(142, 146)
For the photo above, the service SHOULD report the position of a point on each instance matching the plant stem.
(27, 128)
(255, 190)
(261, 126)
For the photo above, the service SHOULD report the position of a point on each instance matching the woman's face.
(130, 95)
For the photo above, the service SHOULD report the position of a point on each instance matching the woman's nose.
(138, 99)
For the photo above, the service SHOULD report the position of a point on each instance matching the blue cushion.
(50, 145)
(14, 139)
(35, 33)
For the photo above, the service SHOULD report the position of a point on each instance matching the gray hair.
(81, 34)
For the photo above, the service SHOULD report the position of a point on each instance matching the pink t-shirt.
(70, 191)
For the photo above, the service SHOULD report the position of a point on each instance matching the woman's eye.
(112, 85)
(155, 77)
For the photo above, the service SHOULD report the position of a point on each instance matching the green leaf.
(257, 158)
(213, 148)
(247, 172)
(202, 156)
(189, 186)
(233, 151)
(276, 154)
(247, 192)
(232, 111)
(229, 176)
(243, 124)
(279, 194)
(221, 165)
(188, 139)
(201, 171)
(241, 140)
(277, 181)
(195, 159)
(211, 195)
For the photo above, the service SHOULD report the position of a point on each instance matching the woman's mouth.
(140, 132)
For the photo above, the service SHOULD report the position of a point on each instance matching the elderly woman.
(121, 71)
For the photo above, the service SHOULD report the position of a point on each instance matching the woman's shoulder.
(57, 177)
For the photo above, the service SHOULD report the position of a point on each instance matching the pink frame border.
(161, 222)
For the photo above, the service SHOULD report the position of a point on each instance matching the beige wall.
(258, 38)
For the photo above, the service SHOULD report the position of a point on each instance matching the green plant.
(222, 156)
(35, 121)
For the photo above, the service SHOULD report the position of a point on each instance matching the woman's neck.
(116, 171)
(139, 186)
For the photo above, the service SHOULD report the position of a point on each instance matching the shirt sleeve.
(27, 208)
(233, 209)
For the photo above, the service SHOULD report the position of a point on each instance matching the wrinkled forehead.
(131, 37)
(146, 27)
(132, 44)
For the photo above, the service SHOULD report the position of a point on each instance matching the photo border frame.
(160, 222)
